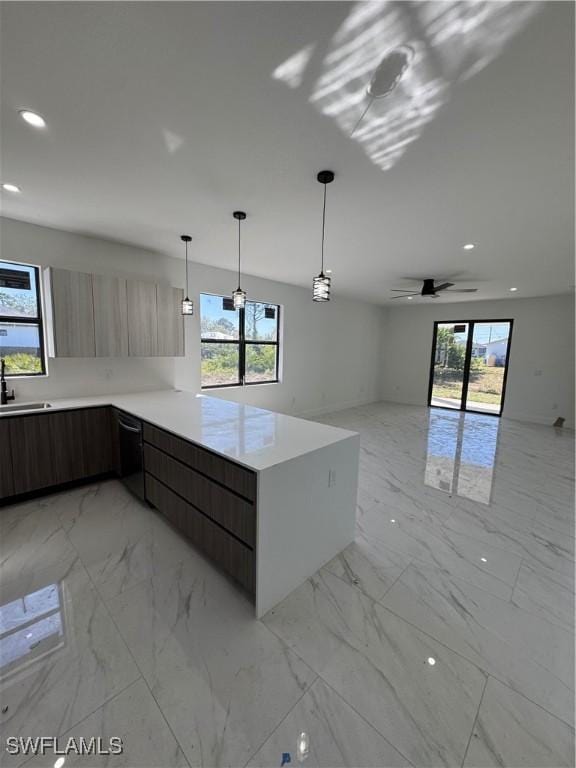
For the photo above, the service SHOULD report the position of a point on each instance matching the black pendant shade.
(187, 304)
(239, 296)
(321, 283)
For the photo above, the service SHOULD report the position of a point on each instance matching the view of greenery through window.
(20, 331)
(487, 364)
(238, 346)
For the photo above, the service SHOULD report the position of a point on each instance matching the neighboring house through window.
(21, 329)
(239, 347)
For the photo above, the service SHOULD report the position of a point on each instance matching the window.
(238, 346)
(21, 332)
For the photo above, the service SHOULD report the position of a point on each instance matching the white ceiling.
(165, 117)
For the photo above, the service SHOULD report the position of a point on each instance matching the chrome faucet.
(4, 396)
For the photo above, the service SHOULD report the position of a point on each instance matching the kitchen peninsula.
(268, 497)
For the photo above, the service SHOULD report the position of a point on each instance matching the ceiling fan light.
(239, 298)
(321, 287)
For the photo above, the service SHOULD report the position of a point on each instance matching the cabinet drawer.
(233, 476)
(226, 551)
(226, 508)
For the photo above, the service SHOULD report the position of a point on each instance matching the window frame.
(242, 342)
(37, 321)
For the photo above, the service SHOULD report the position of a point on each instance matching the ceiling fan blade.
(402, 290)
(443, 286)
(405, 296)
(464, 290)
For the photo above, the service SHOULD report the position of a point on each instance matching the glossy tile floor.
(443, 636)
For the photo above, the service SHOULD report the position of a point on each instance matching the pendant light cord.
(186, 269)
(239, 222)
(323, 228)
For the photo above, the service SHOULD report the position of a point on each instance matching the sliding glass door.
(469, 365)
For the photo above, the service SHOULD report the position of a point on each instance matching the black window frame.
(38, 320)
(242, 342)
(468, 358)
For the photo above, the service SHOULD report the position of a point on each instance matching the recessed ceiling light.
(328, 271)
(409, 298)
(513, 290)
(431, 660)
(60, 762)
(11, 188)
(468, 246)
(393, 520)
(33, 118)
(483, 559)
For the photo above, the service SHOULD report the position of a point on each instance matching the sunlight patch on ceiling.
(452, 41)
(292, 70)
(172, 141)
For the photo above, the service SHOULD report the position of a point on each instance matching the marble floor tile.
(371, 568)
(523, 650)
(31, 537)
(514, 732)
(537, 590)
(132, 716)
(221, 678)
(62, 655)
(534, 542)
(418, 694)
(322, 731)
(429, 542)
(120, 540)
(97, 592)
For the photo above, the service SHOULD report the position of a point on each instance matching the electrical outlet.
(331, 478)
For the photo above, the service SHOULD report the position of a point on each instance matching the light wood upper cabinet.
(170, 321)
(107, 316)
(142, 319)
(110, 316)
(72, 313)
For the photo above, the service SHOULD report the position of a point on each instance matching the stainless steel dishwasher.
(131, 453)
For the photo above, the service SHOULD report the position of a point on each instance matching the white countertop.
(251, 436)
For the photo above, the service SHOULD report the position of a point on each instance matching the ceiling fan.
(430, 289)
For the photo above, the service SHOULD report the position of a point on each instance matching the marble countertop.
(254, 437)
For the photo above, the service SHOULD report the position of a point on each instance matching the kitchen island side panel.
(306, 516)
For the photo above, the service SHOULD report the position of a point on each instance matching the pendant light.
(321, 283)
(239, 296)
(187, 304)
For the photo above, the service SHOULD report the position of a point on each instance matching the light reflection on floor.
(31, 627)
(461, 453)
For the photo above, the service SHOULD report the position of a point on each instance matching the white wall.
(330, 352)
(541, 375)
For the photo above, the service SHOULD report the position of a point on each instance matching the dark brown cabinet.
(226, 508)
(53, 448)
(230, 554)
(6, 480)
(82, 443)
(32, 453)
(239, 479)
(211, 499)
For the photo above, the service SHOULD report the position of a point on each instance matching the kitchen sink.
(24, 407)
